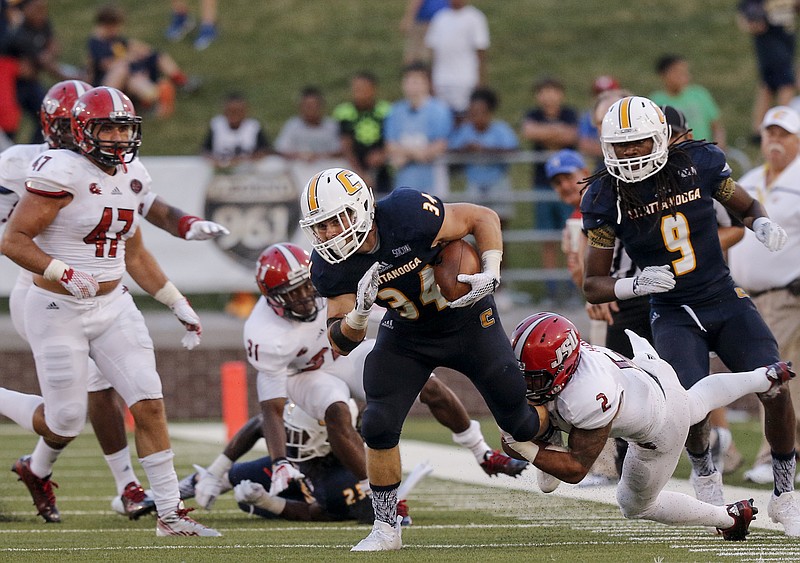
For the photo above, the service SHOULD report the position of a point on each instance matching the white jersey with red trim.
(89, 233)
(15, 162)
(279, 347)
(608, 387)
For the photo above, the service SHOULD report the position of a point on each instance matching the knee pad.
(57, 364)
(67, 420)
(379, 428)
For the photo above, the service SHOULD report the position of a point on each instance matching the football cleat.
(778, 374)
(402, 512)
(709, 488)
(760, 473)
(742, 512)
(497, 463)
(133, 502)
(785, 510)
(179, 26)
(383, 537)
(41, 490)
(177, 523)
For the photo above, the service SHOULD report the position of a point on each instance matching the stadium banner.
(258, 203)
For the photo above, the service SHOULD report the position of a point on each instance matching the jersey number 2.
(99, 235)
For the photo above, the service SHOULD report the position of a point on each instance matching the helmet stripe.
(313, 201)
(119, 104)
(291, 259)
(520, 344)
(625, 113)
(79, 87)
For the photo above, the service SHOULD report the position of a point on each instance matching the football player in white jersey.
(286, 342)
(104, 411)
(76, 229)
(593, 393)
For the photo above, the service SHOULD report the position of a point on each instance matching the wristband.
(220, 466)
(168, 294)
(55, 270)
(356, 320)
(272, 504)
(340, 340)
(490, 261)
(185, 223)
(623, 289)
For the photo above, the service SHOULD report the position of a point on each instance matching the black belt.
(793, 287)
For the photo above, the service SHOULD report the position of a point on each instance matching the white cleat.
(785, 510)
(709, 488)
(761, 474)
(177, 523)
(383, 537)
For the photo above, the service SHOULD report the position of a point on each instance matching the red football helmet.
(106, 106)
(284, 278)
(548, 349)
(56, 109)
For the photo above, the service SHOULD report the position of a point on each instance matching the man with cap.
(773, 278)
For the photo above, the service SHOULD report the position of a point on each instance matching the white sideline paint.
(454, 463)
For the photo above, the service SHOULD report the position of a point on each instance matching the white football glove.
(282, 473)
(249, 493)
(769, 233)
(208, 487)
(79, 284)
(204, 230)
(190, 320)
(654, 279)
(367, 289)
(483, 284)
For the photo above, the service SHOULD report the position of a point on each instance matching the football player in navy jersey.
(367, 253)
(656, 197)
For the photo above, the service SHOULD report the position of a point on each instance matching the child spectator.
(488, 183)
(148, 76)
(361, 132)
(233, 137)
(310, 135)
(692, 99)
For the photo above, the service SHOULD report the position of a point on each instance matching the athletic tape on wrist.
(55, 270)
(356, 320)
(623, 289)
(168, 294)
(490, 261)
(185, 223)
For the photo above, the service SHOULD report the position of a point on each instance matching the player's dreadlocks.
(667, 182)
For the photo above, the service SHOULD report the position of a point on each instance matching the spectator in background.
(772, 25)
(773, 278)
(488, 183)
(588, 135)
(233, 137)
(32, 43)
(361, 131)
(310, 135)
(416, 132)
(692, 99)
(458, 37)
(150, 77)
(11, 115)
(550, 126)
(414, 26)
(182, 23)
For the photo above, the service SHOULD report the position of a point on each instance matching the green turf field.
(452, 522)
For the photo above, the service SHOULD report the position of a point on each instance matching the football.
(457, 257)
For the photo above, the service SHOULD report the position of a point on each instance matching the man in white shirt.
(773, 278)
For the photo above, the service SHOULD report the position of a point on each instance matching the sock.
(384, 501)
(163, 481)
(703, 464)
(365, 487)
(179, 78)
(121, 468)
(43, 459)
(220, 466)
(472, 439)
(19, 407)
(783, 468)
